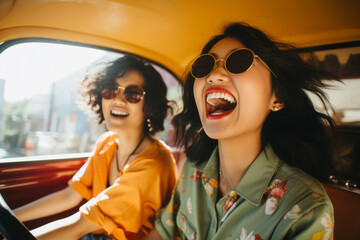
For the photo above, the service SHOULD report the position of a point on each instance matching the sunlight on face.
(121, 115)
(251, 91)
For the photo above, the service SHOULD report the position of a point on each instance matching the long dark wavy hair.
(156, 105)
(300, 135)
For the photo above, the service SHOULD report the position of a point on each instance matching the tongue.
(219, 105)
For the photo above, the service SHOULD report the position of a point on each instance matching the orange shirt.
(126, 209)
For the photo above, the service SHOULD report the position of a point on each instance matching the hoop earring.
(150, 128)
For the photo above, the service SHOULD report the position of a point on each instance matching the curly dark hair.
(156, 105)
(298, 134)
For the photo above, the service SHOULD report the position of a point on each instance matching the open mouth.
(118, 113)
(219, 103)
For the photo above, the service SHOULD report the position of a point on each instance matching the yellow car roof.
(172, 32)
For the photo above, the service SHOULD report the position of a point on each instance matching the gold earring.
(149, 124)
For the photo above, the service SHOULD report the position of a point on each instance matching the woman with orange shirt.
(130, 175)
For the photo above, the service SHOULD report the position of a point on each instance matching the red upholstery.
(347, 213)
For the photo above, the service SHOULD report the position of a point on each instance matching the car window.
(40, 110)
(345, 102)
(344, 96)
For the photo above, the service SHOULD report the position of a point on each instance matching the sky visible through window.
(30, 68)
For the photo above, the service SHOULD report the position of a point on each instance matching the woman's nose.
(219, 73)
(120, 95)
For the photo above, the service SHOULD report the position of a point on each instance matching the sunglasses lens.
(108, 92)
(239, 61)
(133, 94)
(202, 66)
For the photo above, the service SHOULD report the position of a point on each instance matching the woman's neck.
(129, 145)
(235, 157)
(129, 140)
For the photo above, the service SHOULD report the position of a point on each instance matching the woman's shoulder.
(301, 186)
(159, 147)
(106, 139)
(107, 136)
(158, 152)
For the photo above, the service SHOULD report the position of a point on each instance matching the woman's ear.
(277, 105)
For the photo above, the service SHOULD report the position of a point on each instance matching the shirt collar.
(211, 167)
(256, 179)
(258, 176)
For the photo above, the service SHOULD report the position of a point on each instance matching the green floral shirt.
(272, 201)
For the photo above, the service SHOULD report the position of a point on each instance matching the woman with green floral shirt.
(254, 143)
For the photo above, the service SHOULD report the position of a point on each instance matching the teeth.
(120, 113)
(216, 113)
(222, 95)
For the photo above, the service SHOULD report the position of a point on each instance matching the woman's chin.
(215, 132)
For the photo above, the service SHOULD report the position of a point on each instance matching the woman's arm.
(51, 204)
(72, 227)
(317, 223)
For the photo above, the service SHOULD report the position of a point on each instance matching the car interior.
(48, 46)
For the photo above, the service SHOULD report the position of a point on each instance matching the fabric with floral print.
(276, 192)
(196, 174)
(251, 236)
(272, 201)
(327, 233)
(210, 184)
(293, 212)
(189, 205)
(232, 197)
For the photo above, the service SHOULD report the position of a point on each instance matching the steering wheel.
(10, 226)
